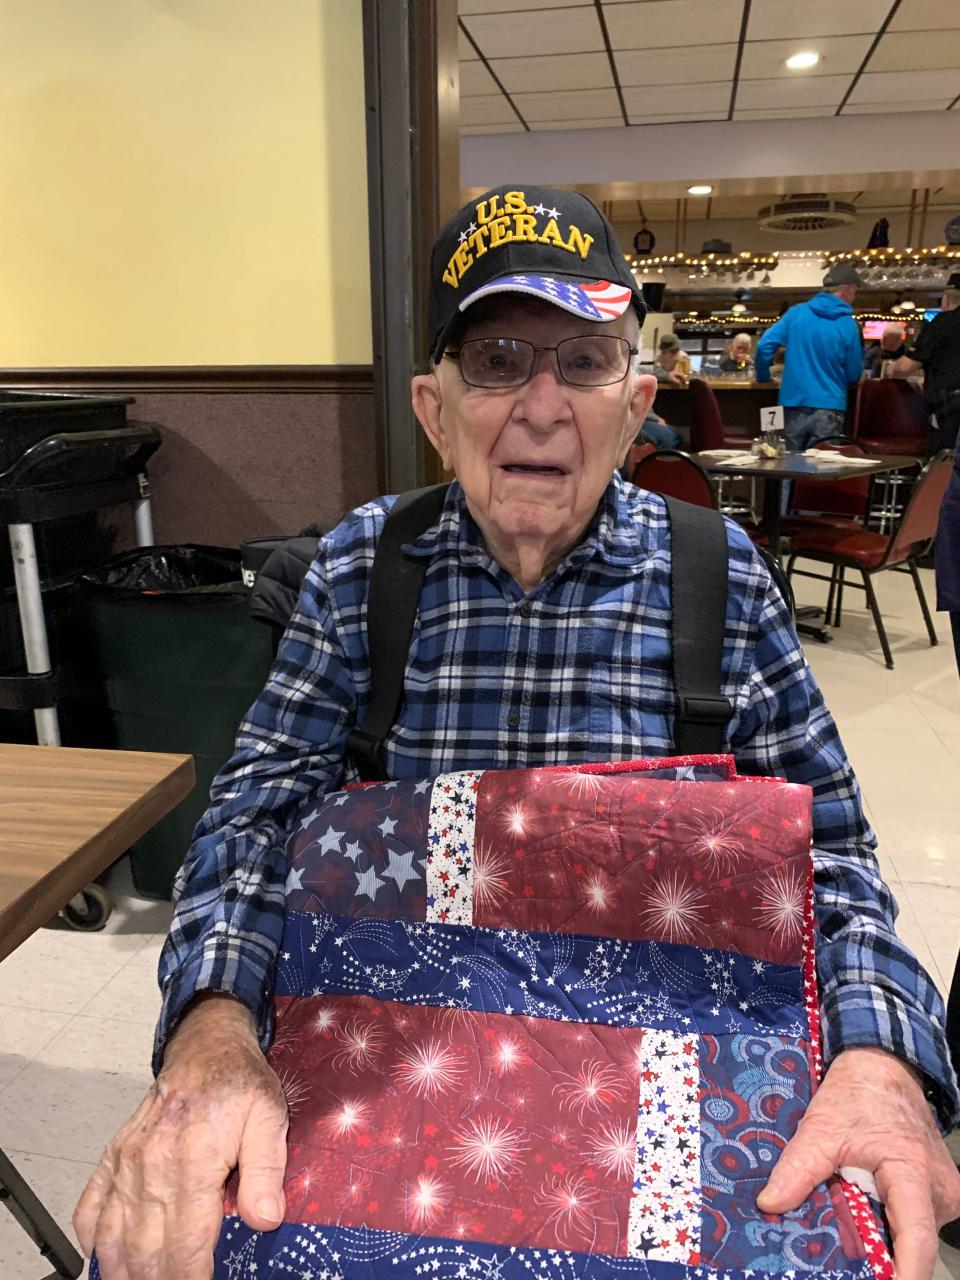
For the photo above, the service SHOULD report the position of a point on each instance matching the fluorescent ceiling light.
(701, 189)
(804, 60)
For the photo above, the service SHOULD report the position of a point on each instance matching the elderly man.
(544, 637)
(890, 347)
(738, 357)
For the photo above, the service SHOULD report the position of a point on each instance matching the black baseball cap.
(518, 238)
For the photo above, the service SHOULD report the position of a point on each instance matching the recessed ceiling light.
(804, 60)
(701, 189)
(738, 309)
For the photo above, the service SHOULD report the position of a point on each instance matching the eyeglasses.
(595, 360)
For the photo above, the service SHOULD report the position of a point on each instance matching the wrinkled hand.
(870, 1113)
(154, 1205)
(677, 377)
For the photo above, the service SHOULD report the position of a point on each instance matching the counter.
(740, 403)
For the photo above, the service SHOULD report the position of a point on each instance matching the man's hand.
(677, 378)
(154, 1205)
(870, 1113)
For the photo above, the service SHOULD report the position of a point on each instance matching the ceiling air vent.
(815, 212)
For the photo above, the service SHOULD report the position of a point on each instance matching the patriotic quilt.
(550, 1023)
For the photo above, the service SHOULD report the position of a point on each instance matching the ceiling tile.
(541, 31)
(566, 126)
(926, 15)
(471, 129)
(788, 20)
(510, 6)
(906, 86)
(839, 55)
(660, 24)
(694, 65)
(877, 108)
(811, 91)
(917, 51)
(488, 109)
(642, 103)
(580, 104)
(562, 71)
(474, 79)
(781, 113)
(465, 49)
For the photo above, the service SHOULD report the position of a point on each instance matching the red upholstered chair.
(706, 421)
(889, 417)
(871, 553)
(673, 473)
(636, 454)
(837, 504)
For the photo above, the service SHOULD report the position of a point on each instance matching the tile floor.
(78, 1009)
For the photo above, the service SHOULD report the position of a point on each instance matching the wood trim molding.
(319, 378)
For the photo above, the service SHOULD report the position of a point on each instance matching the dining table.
(66, 814)
(812, 465)
(815, 464)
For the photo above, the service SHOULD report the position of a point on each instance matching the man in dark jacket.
(937, 352)
(824, 355)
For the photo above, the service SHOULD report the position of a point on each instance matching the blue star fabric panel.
(363, 852)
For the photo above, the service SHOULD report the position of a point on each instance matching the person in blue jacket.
(824, 355)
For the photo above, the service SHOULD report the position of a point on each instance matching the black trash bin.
(181, 661)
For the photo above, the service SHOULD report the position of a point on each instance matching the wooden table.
(798, 466)
(65, 815)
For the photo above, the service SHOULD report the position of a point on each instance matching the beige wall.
(182, 182)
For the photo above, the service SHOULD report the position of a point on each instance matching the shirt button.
(525, 610)
(513, 719)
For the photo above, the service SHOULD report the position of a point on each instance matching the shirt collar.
(620, 532)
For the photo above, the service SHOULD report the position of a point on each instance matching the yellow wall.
(182, 182)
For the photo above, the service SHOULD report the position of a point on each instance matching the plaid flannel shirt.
(578, 670)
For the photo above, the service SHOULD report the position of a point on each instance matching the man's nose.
(545, 398)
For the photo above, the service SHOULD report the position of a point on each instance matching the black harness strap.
(392, 602)
(699, 561)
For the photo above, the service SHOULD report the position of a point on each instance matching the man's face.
(891, 339)
(533, 460)
(740, 349)
(668, 358)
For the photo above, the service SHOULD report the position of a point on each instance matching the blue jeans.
(658, 433)
(803, 427)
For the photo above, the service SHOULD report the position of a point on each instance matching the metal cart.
(64, 474)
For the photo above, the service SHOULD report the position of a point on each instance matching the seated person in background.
(738, 357)
(670, 361)
(656, 430)
(890, 347)
(546, 607)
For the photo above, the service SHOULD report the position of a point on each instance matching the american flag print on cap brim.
(582, 1065)
(590, 299)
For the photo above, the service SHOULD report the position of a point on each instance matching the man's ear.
(427, 401)
(641, 401)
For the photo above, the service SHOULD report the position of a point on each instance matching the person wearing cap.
(544, 637)
(824, 355)
(670, 361)
(937, 352)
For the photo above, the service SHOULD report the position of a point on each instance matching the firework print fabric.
(550, 1023)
